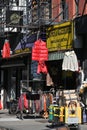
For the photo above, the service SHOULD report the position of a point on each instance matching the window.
(41, 11)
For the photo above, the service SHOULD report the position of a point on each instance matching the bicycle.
(13, 109)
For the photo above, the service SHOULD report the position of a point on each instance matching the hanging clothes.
(42, 67)
(0, 105)
(70, 61)
(21, 102)
(6, 49)
(49, 81)
(37, 106)
(34, 73)
(45, 104)
(80, 79)
(81, 76)
(25, 101)
(39, 51)
(40, 54)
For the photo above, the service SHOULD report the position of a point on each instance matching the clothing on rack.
(25, 101)
(37, 106)
(36, 103)
(21, 102)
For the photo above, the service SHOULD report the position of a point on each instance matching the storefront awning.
(25, 43)
(13, 62)
(56, 56)
(13, 65)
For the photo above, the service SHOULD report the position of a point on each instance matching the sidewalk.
(8, 121)
(4, 115)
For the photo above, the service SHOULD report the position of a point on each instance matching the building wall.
(81, 6)
(55, 9)
(72, 9)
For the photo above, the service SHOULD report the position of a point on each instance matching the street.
(28, 123)
(31, 124)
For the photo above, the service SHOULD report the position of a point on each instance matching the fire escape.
(2, 18)
(36, 14)
(4, 6)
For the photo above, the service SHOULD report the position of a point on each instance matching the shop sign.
(22, 50)
(14, 18)
(60, 37)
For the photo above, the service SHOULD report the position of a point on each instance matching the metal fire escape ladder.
(38, 13)
(33, 16)
(2, 18)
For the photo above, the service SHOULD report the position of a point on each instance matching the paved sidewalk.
(4, 113)
(7, 120)
(5, 116)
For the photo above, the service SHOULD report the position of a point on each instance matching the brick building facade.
(69, 8)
